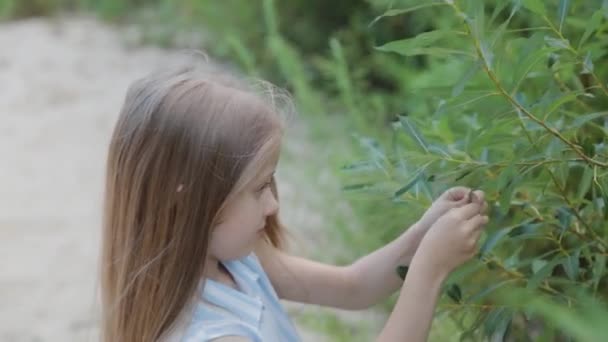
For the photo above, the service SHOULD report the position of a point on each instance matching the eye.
(265, 185)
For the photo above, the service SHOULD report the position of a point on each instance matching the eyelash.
(265, 185)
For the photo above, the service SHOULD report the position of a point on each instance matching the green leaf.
(531, 53)
(505, 187)
(562, 11)
(487, 54)
(484, 292)
(599, 268)
(538, 264)
(361, 166)
(587, 64)
(402, 271)
(564, 216)
(536, 6)
(585, 182)
(604, 191)
(496, 322)
(476, 22)
(421, 44)
(453, 291)
(499, 332)
(492, 241)
(571, 265)
(412, 131)
(535, 280)
(505, 177)
(557, 42)
(358, 186)
(466, 77)
(501, 29)
(376, 154)
(399, 11)
(594, 23)
(561, 101)
(415, 179)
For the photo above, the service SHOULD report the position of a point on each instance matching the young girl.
(192, 243)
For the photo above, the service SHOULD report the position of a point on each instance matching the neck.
(216, 271)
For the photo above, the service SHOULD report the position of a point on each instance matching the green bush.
(520, 112)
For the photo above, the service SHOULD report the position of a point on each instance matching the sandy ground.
(62, 83)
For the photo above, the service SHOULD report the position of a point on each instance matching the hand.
(452, 239)
(453, 198)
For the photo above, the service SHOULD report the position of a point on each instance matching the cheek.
(234, 238)
(226, 242)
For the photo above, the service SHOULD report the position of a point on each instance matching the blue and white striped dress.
(254, 312)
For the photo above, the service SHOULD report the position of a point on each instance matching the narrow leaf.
(541, 274)
(402, 271)
(417, 177)
(585, 182)
(415, 45)
(496, 322)
(454, 292)
(561, 101)
(557, 43)
(599, 267)
(399, 11)
(536, 6)
(594, 23)
(412, 131)
(587, 64)
(483, 293)
(571, 265)
(562, 10)
(538, 264)
(466, 77)
(492, 241)
(359, 186)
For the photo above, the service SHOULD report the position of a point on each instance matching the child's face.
(244, 219)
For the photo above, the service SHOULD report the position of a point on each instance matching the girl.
(192, 243)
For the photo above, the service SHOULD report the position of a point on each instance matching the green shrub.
(521, 114)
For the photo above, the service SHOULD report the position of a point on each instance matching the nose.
(271, 205)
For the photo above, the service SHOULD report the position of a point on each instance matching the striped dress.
(253, 312)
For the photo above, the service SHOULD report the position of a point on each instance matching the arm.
(375, 274)
(413, 313)
(351, 287)
(448, 244)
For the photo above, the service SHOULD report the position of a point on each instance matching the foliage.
(525, 121)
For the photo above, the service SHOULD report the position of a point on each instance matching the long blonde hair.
(180, 150)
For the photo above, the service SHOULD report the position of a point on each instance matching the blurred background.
(397, 100)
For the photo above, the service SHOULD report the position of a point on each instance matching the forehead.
(267, 161)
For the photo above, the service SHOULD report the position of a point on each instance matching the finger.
(475, 235)
(468, 211)
(457, 194)
(484, 208)
(484, 220)
(478, 222)
(480, 195)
